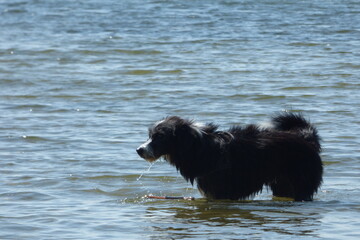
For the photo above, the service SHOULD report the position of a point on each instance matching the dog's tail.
(292, 122)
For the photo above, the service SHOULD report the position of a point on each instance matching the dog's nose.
(140, 151)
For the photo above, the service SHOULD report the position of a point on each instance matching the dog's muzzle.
(140, 151)
(145, 151)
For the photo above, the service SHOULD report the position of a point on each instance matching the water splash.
(145, 171)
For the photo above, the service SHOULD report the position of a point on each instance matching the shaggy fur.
(237, 163)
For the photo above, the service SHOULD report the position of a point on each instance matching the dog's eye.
(159, 136)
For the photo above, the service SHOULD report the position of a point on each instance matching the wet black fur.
(237, 163)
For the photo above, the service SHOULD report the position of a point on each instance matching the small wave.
(90, 52)
(350, 65)
(105, 111)
(268, 97)
(347, 137)
(30, 106)
(20, 96)
(296, 88)
(37, 52)
(343, 31)
(305, 44)
(346, 85)
(64, 96)
(102, 177)
(175, 71)
(236, 96)
(140, 72)
(138, 52)
(26, 196)
(12, 11)
(95, 191)
(35, 139)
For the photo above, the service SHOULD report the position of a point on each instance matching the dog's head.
(169, 135)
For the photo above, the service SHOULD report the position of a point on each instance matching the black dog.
(237, 163)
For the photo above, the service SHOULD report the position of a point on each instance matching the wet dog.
(237, 163)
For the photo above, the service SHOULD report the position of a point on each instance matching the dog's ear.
(185, 131)
(187, 137)
(188, 146)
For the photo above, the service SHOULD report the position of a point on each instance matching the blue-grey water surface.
(80, 82)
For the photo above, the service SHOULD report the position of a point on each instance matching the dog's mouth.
(151, 159)
(146, 155)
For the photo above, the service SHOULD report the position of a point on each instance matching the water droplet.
(145, 171)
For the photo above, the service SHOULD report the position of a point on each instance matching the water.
(80, 82)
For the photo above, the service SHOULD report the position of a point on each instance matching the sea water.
(81, 81)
